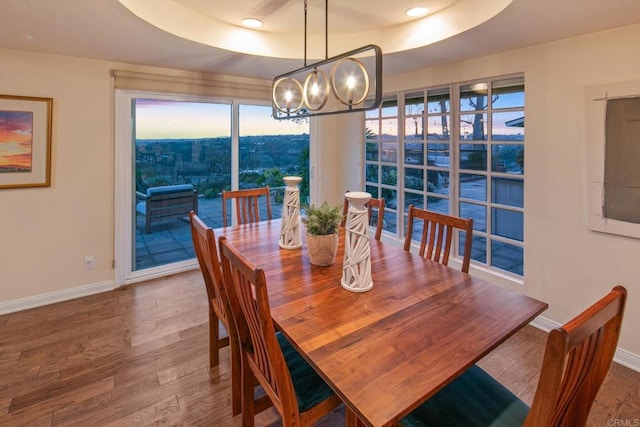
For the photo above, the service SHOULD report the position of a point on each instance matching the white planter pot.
(322, 249)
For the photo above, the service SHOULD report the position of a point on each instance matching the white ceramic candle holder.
(290, 229)
(356, 266)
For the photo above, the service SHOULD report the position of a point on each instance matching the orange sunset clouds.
(16, 141)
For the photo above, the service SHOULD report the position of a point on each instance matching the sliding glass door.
(175, 154)
(269, 150)
(182, 161)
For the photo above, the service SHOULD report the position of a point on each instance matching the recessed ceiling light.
(417, 11)
(252, 22)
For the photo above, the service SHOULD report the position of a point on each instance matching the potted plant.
(322, 225)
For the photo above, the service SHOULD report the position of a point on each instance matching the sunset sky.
(15, 139)
(156, 119)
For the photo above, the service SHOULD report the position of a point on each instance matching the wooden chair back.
(247, 204)
(261, 352)
(204, 244)
(378, 204)
(576, 360)
(437, 235)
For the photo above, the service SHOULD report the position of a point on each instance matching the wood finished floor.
(139, 356)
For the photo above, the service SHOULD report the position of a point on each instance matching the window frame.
(124, 130)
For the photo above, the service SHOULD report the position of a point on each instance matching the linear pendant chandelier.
(345, 83)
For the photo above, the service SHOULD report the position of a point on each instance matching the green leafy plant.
(323, 220)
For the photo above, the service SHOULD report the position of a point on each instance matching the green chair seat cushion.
(310, 388)
(473, 399)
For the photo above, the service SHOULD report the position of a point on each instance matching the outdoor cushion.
(141, 208)
(169, 189)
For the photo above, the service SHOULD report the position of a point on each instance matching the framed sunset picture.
(25, 141)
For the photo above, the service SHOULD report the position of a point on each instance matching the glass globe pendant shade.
(350, 81)
(316, 90)
(287, 96)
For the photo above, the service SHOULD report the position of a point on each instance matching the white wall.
(47, 232)
(566, 265)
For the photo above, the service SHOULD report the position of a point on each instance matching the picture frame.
(25, 141)
(596, 100)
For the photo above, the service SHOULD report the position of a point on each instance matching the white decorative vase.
(322, 249)
(290, 229)
(356, 266)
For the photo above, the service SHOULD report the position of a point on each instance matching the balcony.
(170, 241)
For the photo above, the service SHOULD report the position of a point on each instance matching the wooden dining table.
(387, 350)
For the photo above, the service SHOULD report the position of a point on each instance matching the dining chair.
(378, 204)
(247, 204)
(296, 390)
(576, 360)
(204, 244)
(437, 234)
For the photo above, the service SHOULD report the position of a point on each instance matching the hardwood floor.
(139, 356)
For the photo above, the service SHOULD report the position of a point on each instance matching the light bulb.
(252, 22)
(351, 83)
(417, 11)
(288, 96)
(314, 89)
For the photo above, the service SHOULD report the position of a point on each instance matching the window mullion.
(489, 172)
(400, 166)
(235, 146)
(507, 240)
(454, 149)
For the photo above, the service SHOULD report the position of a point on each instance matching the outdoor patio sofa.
(166, 202)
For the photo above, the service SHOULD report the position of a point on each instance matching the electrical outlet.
(89, 263)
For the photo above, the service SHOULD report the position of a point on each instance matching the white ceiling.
(105, 29)
(351, 24)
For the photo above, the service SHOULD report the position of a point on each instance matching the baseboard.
(628, 359)
(622, 356)
(53, 297)
(545, 324)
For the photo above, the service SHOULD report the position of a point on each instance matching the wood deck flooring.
(139, 356)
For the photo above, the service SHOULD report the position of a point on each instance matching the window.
(177, 142)
(462, 154)
(491, 169)
(168, 141)
(381, 165)
(269, 150)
